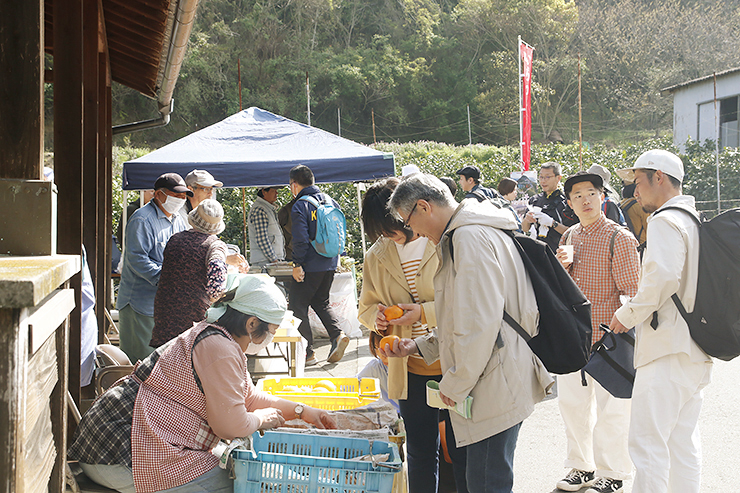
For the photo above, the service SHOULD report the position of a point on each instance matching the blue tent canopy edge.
(256, 148)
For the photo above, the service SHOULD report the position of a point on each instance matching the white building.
(694, 113)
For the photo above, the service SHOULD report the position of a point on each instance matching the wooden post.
(11, 366)
(22, 93)
(68, 149)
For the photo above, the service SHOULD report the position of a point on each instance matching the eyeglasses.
(406, 222)
(205, 189)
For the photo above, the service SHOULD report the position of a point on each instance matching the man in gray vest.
(266, 242)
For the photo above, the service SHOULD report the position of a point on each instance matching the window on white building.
(728, 123)
(729, 129)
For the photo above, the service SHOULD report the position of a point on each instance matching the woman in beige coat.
(398, 270)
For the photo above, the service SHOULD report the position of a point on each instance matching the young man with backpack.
(605, 265)
(480, 354)
(671, 369)
(313, 270)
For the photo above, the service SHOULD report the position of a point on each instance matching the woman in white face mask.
(154, 431)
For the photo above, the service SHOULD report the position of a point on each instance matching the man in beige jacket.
(481, 356)
(671, 369)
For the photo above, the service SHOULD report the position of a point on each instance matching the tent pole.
(359, 213)
(244, 218)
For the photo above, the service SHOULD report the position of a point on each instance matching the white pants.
(596, 426)
(664, 437)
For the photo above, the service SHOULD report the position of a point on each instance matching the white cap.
(409, 169)
(201, 178)
(656, 159)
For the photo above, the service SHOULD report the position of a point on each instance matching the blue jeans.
(120, 478)
(422, 439)
(491, 465)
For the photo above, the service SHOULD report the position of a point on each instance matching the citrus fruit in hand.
(388, 340)
(393, 312)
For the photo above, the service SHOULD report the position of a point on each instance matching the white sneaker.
(575, 480)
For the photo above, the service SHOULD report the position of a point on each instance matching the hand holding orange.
(393, 312)
(388, 340)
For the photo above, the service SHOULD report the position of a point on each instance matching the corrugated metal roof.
(671, 89)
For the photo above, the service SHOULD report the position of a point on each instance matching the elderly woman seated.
(154, 431)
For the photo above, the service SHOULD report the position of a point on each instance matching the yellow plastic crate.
(349, 392)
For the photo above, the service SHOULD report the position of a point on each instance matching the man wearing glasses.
(201, 183)
(549, 212)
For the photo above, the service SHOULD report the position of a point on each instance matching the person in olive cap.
(203, 186)
(147, 234)
(470, 183)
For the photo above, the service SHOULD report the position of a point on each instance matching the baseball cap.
(582, 176)
(469, 172)
(172, 182)
(656, 159)
(202, 178)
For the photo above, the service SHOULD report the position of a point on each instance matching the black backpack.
(715, 322)
(563, 341)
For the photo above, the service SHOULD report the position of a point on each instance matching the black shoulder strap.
(507, 318)
(477, 194)
(696, 217)
(674, 297)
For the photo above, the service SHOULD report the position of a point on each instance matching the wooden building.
(81, 47)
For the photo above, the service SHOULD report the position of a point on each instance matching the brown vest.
(181, 294)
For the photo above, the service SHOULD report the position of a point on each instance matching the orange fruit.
(388, 340)
(393, 312)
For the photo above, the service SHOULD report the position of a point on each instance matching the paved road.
(541, 446)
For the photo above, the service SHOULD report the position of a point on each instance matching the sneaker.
(606, 485)
(576, 479)
(338, 346)
(311, 359)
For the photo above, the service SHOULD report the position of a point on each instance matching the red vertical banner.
(526, 53)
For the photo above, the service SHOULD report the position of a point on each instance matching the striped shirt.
(602, 277)
(410, 255)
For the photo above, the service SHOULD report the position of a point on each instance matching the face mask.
(172, 204)
(256, 348)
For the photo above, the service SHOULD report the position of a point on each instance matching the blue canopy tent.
(256, 148)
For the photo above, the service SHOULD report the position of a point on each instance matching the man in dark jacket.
(549, 211)
(312, 272)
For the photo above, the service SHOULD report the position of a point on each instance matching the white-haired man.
(481, 356)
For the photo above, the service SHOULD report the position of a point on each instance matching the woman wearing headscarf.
(193, 274)
(155, 429)
(399, 270)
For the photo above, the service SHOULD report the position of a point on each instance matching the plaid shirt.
(601, 278)
(261, 222)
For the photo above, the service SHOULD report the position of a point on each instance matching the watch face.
(299, 410)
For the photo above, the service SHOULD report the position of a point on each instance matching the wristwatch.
(555, 224)
(299, 410)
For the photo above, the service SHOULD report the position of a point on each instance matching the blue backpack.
(331, 227)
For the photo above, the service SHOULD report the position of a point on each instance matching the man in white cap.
(201, 183)
(193, 273)
(671, 368)
(147, 233)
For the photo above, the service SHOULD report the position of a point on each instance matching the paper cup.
(568, 249)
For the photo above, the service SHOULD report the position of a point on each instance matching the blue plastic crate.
(302, 463)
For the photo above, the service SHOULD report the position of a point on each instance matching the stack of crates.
(302, 463)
